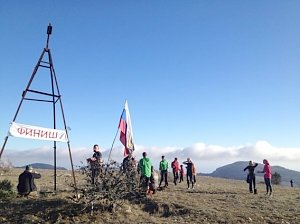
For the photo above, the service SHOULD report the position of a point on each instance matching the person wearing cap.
(190, 170)
(144, 168)
(163, 167)
(251, 176)
(26, 184)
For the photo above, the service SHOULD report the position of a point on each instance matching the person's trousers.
(189, 179)
(175, 175)
(252, 183)
(164, 177)
(268, 185)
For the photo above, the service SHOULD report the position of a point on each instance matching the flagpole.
(124, 110)
(112, 145)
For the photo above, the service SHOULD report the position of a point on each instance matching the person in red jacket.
(194, 172)
(181, 171)
(267, 176)
(175, 169)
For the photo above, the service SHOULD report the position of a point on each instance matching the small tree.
(276, 178)
(6, 189)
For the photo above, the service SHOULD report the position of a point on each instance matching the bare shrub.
(109, 185)
(5, 166)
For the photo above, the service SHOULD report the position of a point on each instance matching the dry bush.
(6, 189)
(111, 186)
(5, 166)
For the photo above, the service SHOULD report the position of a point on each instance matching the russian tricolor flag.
(123, 127)
(126, 135)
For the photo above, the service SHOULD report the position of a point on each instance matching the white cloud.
(207, 157)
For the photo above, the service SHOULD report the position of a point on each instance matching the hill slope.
(44, 166)
(236, 171)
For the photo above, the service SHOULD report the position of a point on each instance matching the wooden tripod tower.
(52, 97)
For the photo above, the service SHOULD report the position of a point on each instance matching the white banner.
(34, 132)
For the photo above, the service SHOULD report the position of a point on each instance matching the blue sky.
(196, 74)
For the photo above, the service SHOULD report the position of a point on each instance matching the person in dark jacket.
(97, 154)
(251, 176)
(189, 172)
(153, 181)
(95, 162)
(126, 164)
(26, 184)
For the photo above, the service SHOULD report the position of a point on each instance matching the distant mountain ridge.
(236, 171)
(44, 166)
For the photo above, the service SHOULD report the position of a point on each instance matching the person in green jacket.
(163, 167)
(144, 168)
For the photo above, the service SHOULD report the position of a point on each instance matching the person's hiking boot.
(255, 191)
(271, 194)
(251, 192)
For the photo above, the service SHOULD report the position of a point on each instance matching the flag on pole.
(126, 135)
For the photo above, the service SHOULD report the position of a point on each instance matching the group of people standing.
(251, 180)
(146, 170)
(147, 174)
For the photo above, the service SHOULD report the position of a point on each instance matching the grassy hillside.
(214, 200)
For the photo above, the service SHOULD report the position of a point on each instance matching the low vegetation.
(111, 186)
(276, 178)
(6, 190)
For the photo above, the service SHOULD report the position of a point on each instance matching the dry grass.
(212, 201)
